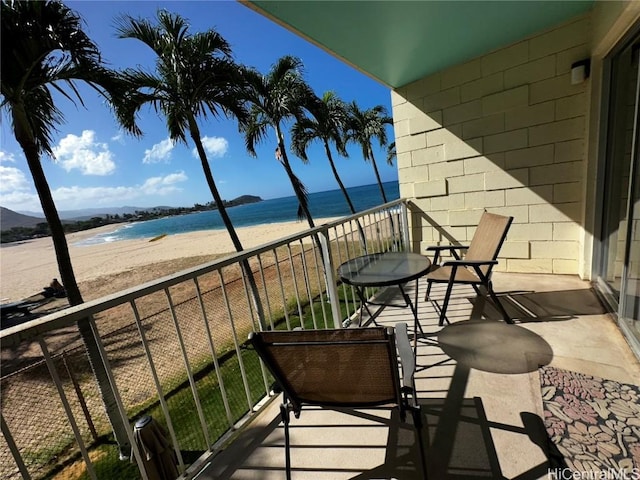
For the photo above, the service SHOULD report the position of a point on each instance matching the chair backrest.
(336, 368)
(488, 238)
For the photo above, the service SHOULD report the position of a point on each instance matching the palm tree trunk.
(299, 194)
(293, 179)
(338, 179)
(363, 238)
(375, 169)
(67, 276)
(246, 268)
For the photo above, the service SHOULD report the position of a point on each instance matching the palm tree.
(275, 98)
(44, 48)
(329, 117)
(391, 153)
(195, 77)
(365, 126)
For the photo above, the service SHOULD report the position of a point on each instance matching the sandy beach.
(26, 267)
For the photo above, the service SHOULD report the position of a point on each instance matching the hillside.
(10, 219)
(88, 213)
(241, 200)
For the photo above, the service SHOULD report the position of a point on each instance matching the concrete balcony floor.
(479, 393)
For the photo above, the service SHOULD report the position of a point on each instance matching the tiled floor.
(479, 393)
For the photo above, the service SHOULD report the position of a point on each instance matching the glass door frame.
(600, 252)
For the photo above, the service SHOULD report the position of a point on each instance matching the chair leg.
(417, 424)
(495, 299)
(435, 262)
(285, 415)
(426, 296)
(445, 303)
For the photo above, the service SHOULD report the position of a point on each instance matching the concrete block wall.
(505, 132)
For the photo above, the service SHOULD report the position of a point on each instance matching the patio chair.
(343, 368)
(475, 268)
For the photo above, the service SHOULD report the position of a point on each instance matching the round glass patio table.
(384, 270)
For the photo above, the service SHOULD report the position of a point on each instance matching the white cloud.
(85, 154)
(76, 197)
(6, 157)
(17, 200)
(163, 185)
(160, 152)
(17, 193)
(119, 138)
(214, 146)
(13, 179)
(16, 190)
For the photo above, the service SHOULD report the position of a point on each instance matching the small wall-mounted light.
(580, 71)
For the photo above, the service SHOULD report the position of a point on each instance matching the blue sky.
(97, 165)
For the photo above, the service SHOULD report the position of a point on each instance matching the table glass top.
(381, 269)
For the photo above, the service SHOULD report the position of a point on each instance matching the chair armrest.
(452, 249)
(438, 248)
(405, 351)
(468, 263)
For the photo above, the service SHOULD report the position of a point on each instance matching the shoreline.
(27, 266)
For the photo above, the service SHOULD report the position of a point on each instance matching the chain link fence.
(188, 338)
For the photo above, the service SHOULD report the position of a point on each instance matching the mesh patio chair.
(475, 268)
(343, 368)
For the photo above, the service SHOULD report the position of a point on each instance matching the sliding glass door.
(618, 269)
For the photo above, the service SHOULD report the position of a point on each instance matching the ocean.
(321, 204)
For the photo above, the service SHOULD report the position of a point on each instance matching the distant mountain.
(87, 213)
(10, 219)
(241, 200)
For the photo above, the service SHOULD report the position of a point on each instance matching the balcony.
(480, 396)
(175, 349)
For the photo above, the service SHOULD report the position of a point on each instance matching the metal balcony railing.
(173, 348)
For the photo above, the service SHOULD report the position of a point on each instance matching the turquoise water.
(321, 204)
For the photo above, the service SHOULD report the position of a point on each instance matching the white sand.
(26, 267)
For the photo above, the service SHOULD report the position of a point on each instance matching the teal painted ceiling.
(397, 42)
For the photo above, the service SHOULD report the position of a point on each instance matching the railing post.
(116, 393)
(67, 408)
(404, 218)
(81, 400)
(332, 291)
(13, 448)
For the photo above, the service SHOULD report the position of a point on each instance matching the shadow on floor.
(494, 347)
(543, 306)
(460, 441)
(456, 430)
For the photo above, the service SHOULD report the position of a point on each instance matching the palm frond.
(391, 153)
(285, 67)
(303, 132)
(194, 75)
(365, 126)
(43, 47)
(43, 118)
(301, 194)
(255, 131)
(139, 29)
(210, 41)
(274, 97)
